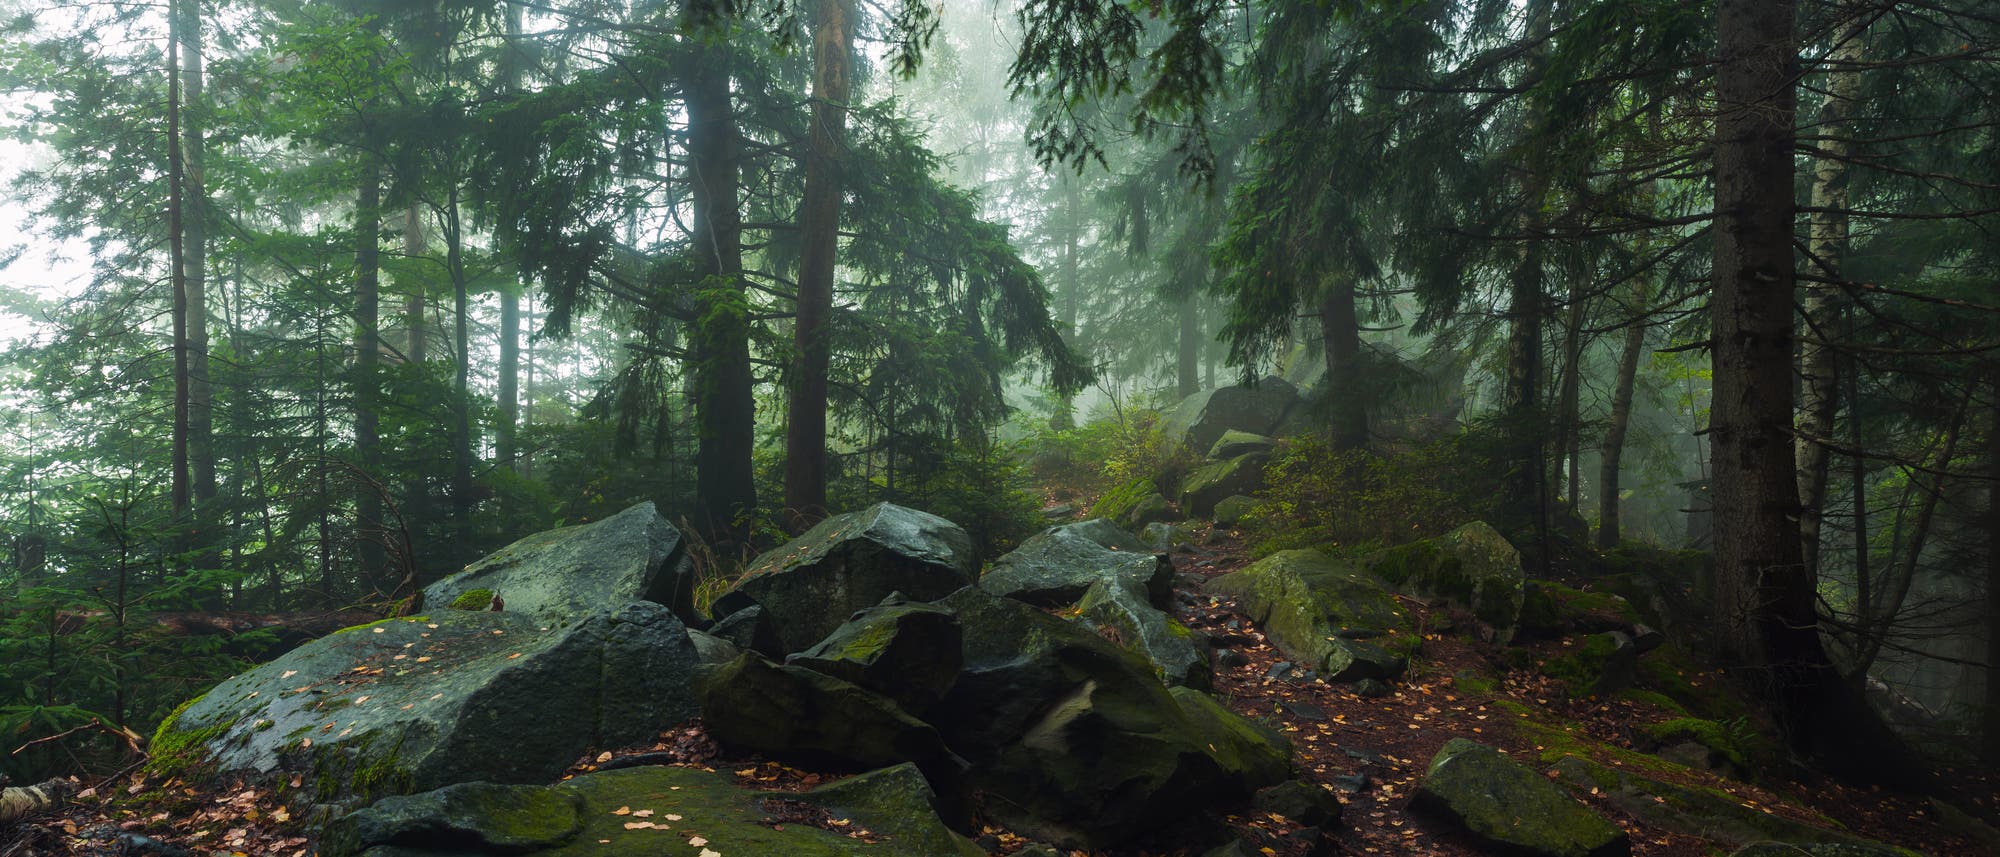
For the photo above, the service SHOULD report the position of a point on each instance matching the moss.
(1707, 733)
(1556, 740)
(1177, 629)
(1120, 501)
(1653, 698)
(367, 625)
(1472, 684)
(1580, 668)
(473, 599)
(339, 774)
(174, 750)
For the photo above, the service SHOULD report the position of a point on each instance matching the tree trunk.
(505, 435)
(1064, 417)
(1990, 723)
(1569, 404)
(369, 536)
(1527, 469)
(461, 435)
(725, 493)
(1187, 362)
(194, 283)
(418, 341)
(180, 488)
(1340, 331)
(1611, 455)
(805, 425)
(1765, 595)
(1818, 374)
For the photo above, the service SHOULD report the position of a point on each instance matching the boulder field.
(870, 644)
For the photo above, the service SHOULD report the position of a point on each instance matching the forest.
(1135, 427)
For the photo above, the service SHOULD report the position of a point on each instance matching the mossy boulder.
(812, 584)
(794, 713)
(1230, 511)
(424, 702)
(1075, 741)
(1718, 748)
(1473, 566)
(1820, 849)
(1117, 503)
(1306, 803)
(1216, 481)
(1708, 813)
(1600, 666)
(478, 817)
(1164, 538)
(908, 652)
(1153, 509)
(1233, 443)
(1122, 614)
(664, 810)
(1202, 419)
(1512, 808)
(1551, 610)
(1056, 566)
(1318, 610)
(559, 575)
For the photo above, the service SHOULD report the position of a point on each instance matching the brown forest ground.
(1336, 733)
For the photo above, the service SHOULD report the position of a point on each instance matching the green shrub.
(1318, 498)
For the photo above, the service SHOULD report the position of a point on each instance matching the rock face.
(847, 562)
(1510, 807)
(1201, 419)
(1122, 612)
(681, 806)
(1473, 566)
(797, 713)
(1231, 509)
(1233, 443)
(907, 652)
(1055, 567)
(1710, 815)
(419, 703)
(1318, 610)
(1217, 481)
(559, 575)
(1074, 741)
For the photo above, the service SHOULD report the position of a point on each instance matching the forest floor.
(1372, 752)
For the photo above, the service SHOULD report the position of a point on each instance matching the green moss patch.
(473, 599)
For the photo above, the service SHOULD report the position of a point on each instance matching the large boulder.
(1319, 610)
(1123, 615)
(561, 574)
(1707, 813)
(1512, 808)
(1473, 566)
(658, 810)
(812, 584)
(1075, 741)
(423, 702)
(1233, 443)
(1055, 567)
(1217, 481)
(797, 713)
(1201, 419)
(906, 651)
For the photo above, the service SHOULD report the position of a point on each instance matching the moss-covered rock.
(1056, 566)
(1473, 566)
(1713, 737)
(1510, 807)
(813, 583)
(560, 575)
(1232, 509)
(1202, 419)
(906, 651)
(1707, 813)
(1306, 803)
(1316, 609)
(1118, 502)
(470, 816)
(1820, 849)
(1074, 740)
(1550, 610)
(1216, 481)
(791, 712)
(663, 810)
(419, 703)
(1123, 615)
(1233, 443)
(1601, 666)
(1154, 508)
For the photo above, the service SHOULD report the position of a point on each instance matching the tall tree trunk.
(416, 509)
(1065, 414)
(506, 433)
(418, 342)
(1187, 362)
(1828, 244)
(1569, 404)
(461, 435)
(370, 539)
(805, 425)
(725, 493)
(194, 283)
(1527, 488)
(1340, 330)
(1611, 455)
(180, 488)
(1765, 594)
(1990, 722)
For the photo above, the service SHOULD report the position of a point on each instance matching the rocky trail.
(1377, 713)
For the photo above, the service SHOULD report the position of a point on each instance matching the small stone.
(1230, 659)
(1371, 688)
(1280, 670)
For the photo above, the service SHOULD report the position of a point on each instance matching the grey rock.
(559, 575)
(909, 652)
(1176, 653)
(1055, 567)
(1510, 807)
(1216, 481)
(1201, 419)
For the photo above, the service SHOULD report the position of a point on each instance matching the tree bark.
(1569, 404)
(418, 341)
(1064, 417)
(20, 802)
(725, 493)
(1187, 362)
(194, 283)
(180, 487)
(1818, 372)
(1764, 593)
(461, 435)
(1611, 456)
(1340, 331)
(1990, 722)
(805, 425)
(369, 536)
